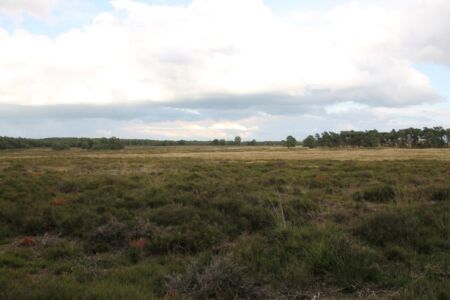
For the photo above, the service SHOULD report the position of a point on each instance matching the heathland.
(204, 222)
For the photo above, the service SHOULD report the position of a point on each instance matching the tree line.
(436, 137)
(116, 143)
(62, 143)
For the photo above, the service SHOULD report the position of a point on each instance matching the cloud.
(17, 8)
(426, 31)
(202, 130)
(222, 67)
(261, 126)
(162, 53)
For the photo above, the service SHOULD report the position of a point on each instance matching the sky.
(205, 69)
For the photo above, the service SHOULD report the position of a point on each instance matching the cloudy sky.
(204, 69)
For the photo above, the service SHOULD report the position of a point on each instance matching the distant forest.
(436, 137)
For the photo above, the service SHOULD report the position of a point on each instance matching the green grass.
(151, 227)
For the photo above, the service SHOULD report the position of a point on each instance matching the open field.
(226, 223)
(240, 153)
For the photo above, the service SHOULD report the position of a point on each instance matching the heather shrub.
(380, 194)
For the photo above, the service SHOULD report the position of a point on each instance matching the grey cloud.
(220, 106)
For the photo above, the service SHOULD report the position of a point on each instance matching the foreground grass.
(78, 225)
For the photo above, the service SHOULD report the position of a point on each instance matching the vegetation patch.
(380, 194)
(141, 226)
(440, 193)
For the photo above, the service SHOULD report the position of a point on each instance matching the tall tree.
(309, 142)
(291, 141)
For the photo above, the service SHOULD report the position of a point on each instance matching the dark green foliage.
(108, 144)
(291, 141)
(108, 236)
(383, 193)
(134, 255)
(297, 256)
(440, 193)
(431, 285)
(221, 278)
(64, 143)
(13, 260)
(436, 137)
(252, 143)
(60, 146)
(405, 227)
(309, 142)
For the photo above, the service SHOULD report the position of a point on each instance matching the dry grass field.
(225, 223)
(240, 153)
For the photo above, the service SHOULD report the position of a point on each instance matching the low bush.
(191, 238)
(405, 227)
(109, 236)
(298, 256)
(439, 193)
(13, 260)
(429, 286)
(383, 193)
(221, 278)
(61, 251)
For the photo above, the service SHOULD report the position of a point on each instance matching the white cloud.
(162, 53)
(36, 8)
(202, 130)
(217, 57)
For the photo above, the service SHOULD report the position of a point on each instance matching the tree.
(237, 140)
(115, 144)
(252, 142)
(310, 142)
(291, 141)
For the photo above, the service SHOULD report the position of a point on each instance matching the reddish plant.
(320, 178)
(58, 202)
(27, 242)
(139, 243)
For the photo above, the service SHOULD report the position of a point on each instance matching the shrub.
(13, 260)
(60, 251)
(222, 278)
(111, 235)
(39, 221)
(297, 256)
(188, 238)
(300, 208)
(174, 215)
(429, 286)
(134, 254)
(318, 181)
(68, 187)
(384, 193)
(405, 227)
(440, 194)
(27, 242)
(351, 264)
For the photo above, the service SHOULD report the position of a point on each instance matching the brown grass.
(240, 153)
